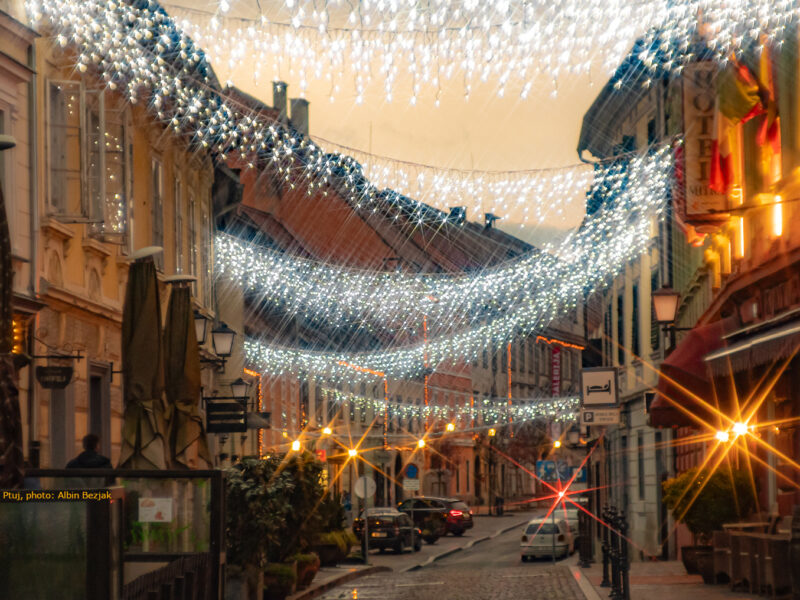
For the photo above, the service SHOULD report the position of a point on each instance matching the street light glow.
(450, 427)
(739, 428)
(557, 444)
(723, 436)
(327, 431)
(352, 452)
(421, 444)
(492, 432)
(296, 446)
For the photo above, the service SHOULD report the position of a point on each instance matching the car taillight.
(470, 511)
(524, 538)
(456, 513)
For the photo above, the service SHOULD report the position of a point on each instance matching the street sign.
(599, 387)
(411, 485)
(600, 416)
(412, 471)
(226, 415)
(54, 378)
(322, 455)
(365, 487)
(551, 470)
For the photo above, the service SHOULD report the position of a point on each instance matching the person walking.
(90, 458)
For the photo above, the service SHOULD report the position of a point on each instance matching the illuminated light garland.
(485, 412)
(522, 196)
(557, 342)
(551, 284)
(340, 295)
(519, 46)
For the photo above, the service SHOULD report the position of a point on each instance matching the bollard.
(614, 540)
(585, 533)
(624, 559)
(604, 545)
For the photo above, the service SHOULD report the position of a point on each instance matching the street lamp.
(296, 446)
(222, 339)
(665, 305)
(200, 327)
(239, 388)
(420, 443)
(573, 436)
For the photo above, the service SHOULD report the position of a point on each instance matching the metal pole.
(624, 564)
(605, 547)
(413, 526)
(554, 535)
(366, 532)
(615, 580)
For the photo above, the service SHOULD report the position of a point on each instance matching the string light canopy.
(484, 411)
(516, 46)
(340, 296)
(551, 285)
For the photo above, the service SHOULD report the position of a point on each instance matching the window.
(458, 479)
(157, 208)
(635, 322)
(64, 147)
(485, 359)
(466, 476)
(651, 131)
(206, 250)
(655, 333)
(640, 455)
(178, 197)
(621, 329)
(192, 232)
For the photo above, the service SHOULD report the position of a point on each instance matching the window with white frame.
(157, 207)
(64, 109)
(192, 232)
(177, 194)
(206, 250)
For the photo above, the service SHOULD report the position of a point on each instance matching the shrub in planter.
(704, 501)
(279, 581)
(307, 567)
(330, 547)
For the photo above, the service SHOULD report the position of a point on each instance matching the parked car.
(570, 513)
(546, 537)
(388, 528)
(455, 515)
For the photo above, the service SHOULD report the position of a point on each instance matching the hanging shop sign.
(226, 415)
(54, 378)
(702, 205)
(555, 372)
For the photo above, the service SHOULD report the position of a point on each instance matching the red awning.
(684, 377)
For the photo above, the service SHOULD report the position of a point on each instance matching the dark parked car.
(454, 514)
(387, 528)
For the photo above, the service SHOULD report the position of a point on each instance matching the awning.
(684, 377)
(757, 349)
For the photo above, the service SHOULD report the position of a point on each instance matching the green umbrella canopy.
(188, 445)
(143, 444)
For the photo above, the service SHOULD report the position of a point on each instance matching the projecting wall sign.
(599, 387)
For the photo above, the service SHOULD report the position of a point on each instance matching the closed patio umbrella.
(143, 426)
(11, 457)
(188, 446)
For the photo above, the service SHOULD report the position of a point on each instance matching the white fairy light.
(339, 295)
(514, 44)
(483, 411)
(556, 283)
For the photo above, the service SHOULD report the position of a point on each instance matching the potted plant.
(279, 581)
(704, 501)
(332, 544)
(307, 567)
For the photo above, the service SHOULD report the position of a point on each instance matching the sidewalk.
(656, 581)
(485, 528)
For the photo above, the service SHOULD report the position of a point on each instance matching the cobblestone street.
(490, 571)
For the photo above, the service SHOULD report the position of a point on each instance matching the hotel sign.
(702, 205)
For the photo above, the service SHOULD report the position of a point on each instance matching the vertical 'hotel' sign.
(703, 205)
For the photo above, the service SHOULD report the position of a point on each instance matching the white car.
(546, 537)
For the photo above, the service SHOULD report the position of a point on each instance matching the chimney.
(300, 114)
(490, 219)
(279, 93)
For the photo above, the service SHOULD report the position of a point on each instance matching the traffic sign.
(411, 485)
(600, 416)
(412, 471)
(365, 487)
(599, 387)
